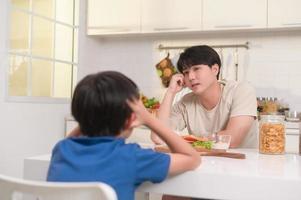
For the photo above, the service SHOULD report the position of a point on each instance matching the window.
(43, 46)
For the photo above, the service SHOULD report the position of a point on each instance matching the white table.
(257, 177)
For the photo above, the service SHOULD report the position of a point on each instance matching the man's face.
(199, 78)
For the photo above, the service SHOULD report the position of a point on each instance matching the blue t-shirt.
(107, 159)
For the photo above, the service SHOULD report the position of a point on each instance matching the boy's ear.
(131, 122)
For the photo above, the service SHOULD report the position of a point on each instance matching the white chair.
(19, 189)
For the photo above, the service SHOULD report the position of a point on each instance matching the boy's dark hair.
(198, 55)
(99, 103)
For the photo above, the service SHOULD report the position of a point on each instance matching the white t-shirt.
(238, 99)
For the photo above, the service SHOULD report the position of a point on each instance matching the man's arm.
(163, 114)
(238, 127)
(243, 112)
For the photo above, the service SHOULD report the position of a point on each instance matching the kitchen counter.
(258, 176)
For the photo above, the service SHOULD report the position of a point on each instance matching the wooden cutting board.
(206, 152)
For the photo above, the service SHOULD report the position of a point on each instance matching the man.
(213, 107)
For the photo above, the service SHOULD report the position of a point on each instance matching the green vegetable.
(159, 72)
(204, 144)
(151, 103)
(146, 104)
(174, 70)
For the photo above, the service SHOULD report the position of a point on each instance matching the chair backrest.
(16, 189)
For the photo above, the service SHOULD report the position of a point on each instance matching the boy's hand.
(75, 132)
(140, 111)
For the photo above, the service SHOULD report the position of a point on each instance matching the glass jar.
(272, 134)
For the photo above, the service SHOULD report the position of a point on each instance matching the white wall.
(25, 129)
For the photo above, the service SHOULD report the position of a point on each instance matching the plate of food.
(207, 147)
(201, 144)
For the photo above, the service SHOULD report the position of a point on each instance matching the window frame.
(73, 64)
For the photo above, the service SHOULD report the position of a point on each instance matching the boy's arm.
(183, 157)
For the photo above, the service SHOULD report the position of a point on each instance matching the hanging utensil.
(236, 63)
(228, 64)
(221, 77)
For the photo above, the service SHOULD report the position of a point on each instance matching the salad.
(199, 142)
(150, 103)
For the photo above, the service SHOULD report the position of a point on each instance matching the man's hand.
(176, 83)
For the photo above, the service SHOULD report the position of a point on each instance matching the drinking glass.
(222, 142)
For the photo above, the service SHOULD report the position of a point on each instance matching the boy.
(106, 105)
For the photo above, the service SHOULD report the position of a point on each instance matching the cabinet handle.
(291, 24)
(169, 28)
(294, 134)
(115, 29)
(233, 26)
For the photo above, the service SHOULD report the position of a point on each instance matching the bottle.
(259, 104)
(271, 106)
(272, 134)
(300, 139)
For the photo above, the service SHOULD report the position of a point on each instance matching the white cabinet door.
(171, 15)
(284, 13)
(234, 14)
(292, 141)
(113, 16)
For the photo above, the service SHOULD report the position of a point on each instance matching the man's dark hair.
(198, 55)
(99, 103)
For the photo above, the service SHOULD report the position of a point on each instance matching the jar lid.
(272, 117)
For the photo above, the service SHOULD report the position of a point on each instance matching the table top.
(259, 176)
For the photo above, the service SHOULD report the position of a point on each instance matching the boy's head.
(99, 103)
(198, 55)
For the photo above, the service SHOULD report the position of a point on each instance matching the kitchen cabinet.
(284, 13)
(292, 141)
(113, 16)
(234, 14)
(171, 15)
(292, 137)
(155, 16)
